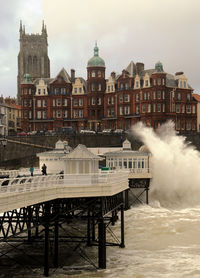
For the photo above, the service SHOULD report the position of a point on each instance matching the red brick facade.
(151, 96)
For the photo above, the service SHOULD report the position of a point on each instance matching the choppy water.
(162, 239)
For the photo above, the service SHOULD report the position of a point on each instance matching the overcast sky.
(140, 30)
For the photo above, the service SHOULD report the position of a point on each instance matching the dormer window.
(39, 91)
(146, 83)
(137, 84)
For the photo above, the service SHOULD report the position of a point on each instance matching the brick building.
(137, 94)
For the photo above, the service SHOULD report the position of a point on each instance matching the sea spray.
(175, 166)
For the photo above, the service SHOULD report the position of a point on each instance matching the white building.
(3, 120)
(81, 161)
(53, 159)
(127, 159)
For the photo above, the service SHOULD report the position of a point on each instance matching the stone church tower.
(33, 56)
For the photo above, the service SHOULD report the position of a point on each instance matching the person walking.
(44, 169)
(31, 170)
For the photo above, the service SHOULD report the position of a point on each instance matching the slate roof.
(64, 75)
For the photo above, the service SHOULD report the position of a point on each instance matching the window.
(121, 110)
(63, 91)
(154, 107)
(44, 91)
(159, 81)
(80, 102)
(163, 81)
(44, 114)
(158, 107)
(112, 100)
(178, 108)
(57, 91)
(58, 102)
(130, 163)
(93, 73)
(149, 108)
(181, 84)
(93, 87)
(121, 86)
(143, 108)
(120, 98)
(126, 98)
(81, 113)
(108, 88)
(39, 103)
(183, 108)
(38, 114)
(125, 163)
(154, 82)
(184, 84)
(98, 101)
(108, 112)
(65, 113)
(75, 90)
(188, 96)
(148, 95)
(137, 84)
(154, 95)
(112, 88)
(58, 114)
(44, 103)
(193, 109)
(99, 73)
(188, 108)
(80, 90)
(109, 100)
(179, 96)
(126, 86)
(126, 110)
(93, 101)
(30, 91)
(39, 91)
(65, 102)
(75, 102)
(178, 125)
(188, 125)
(54, 102)
(137, 109)
(145, 96)
(99, 87)
(137, 97)
(30, 115)
(146, 83)
(163, 94)
(112, 111)
(159, 94)
(75, 113)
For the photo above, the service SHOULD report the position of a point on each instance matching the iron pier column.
(126, 201)
(93, 227)
(29, 223)
(122, 245)
(102, 235)
(88, 229)
(147, 192)
(56, 235)
(102, 243)
(46, 240)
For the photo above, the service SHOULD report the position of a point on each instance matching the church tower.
(33, 56)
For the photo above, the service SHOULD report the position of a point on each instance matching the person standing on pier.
(44, 169)
(31, 170)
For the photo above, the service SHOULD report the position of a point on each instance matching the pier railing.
(27, 184)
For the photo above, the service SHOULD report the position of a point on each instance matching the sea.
(162, 239)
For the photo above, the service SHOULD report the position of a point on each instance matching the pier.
(27, 203)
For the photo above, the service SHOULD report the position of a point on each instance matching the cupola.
(96, 61)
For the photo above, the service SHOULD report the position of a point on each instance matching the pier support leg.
(93, 228)
(89, 229)
(147, 192)
(126, 201)
(56, 236)
(37, 222)
(29, 223)
(122, 245)
(46, 240)
(113, 218)
(102, 243)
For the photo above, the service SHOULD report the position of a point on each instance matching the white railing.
(29, 184)
(10, 173)
(140, 170)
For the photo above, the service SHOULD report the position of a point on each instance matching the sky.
(144, 31)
